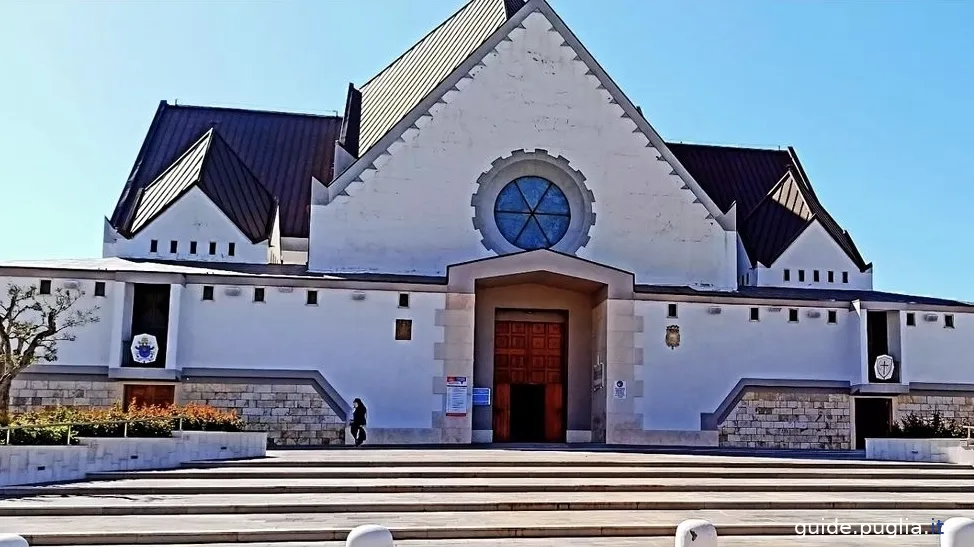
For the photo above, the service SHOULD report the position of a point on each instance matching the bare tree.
(31, 325)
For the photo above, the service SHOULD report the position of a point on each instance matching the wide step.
(659, 541)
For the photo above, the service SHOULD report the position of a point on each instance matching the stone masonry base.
(291, 414)
(789, 419)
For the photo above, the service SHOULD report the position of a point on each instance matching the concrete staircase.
(493, 497)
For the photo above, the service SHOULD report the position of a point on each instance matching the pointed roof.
(212, 166)
(392, 93)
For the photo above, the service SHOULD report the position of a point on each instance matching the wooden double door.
(529, 382)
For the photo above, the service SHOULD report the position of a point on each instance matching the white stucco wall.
(413, 213)
(193, 218)
(935, 354)
(716, 351)
(92, 345)
(815, 250)
(351, 342)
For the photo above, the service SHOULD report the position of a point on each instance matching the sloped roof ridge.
(206, 158)
(774, 190)
(251, 110)
(756, 148)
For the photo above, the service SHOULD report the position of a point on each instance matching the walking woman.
(357, 425)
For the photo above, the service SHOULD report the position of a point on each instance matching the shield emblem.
(884, 367)
(145, 348)
(673, 336)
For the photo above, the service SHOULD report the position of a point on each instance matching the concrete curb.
(771, 463)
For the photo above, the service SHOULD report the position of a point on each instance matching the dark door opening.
(150, 315)
(874, 418)
(877, 343)
(148, 395)
(527, 413)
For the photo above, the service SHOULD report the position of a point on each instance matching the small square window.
(911, 319)
(948, 321)
(845, 277)
(213, 247)
(312, 298)
(258, 294)
(801, 276)
(231, 248)
(207, 292)
(154, 246)
(747, 279)
(787, 275)
(45, 286)
(404, 329)
(815, 276)
(192, 247)
(403, 300)
(833, 317)
(173, 246)
(671, 310)
(755, 314)
(99, 288)
(792, 315)
(831, 276)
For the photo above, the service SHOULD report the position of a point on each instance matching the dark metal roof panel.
(788, 293)
(283, 151)
(236, 190)
(171, 184)
(775, 223)
(395, 91)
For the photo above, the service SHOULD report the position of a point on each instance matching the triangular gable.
(368, 158)
(212, 166)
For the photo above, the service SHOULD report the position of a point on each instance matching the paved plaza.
(493, 497)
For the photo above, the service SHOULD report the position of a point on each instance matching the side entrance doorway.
(529, 382)
(874, 418)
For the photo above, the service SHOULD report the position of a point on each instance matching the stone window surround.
(538, 163)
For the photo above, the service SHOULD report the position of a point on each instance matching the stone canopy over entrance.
(547, 333)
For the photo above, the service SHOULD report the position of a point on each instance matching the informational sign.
(456, 395)
(598, 376)
(620, 389)
(145, 348)
(884, 367)
(481, 396)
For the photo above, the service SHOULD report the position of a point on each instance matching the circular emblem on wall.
(145, 348)
(532, 200)
(884, 367)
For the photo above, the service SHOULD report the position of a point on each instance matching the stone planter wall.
(920, 450)
(21, 465)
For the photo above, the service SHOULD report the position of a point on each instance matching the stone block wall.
(36, 394)
(292, 415)
(959, 408)
(789, 419)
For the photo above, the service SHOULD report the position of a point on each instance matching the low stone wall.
(33, 394)
(789, 419)
(292, 415)
(955, 407)
(40, 464)
(921, 450)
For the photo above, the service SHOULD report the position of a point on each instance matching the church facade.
(492, 244)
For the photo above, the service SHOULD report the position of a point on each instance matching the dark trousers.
(358, 433)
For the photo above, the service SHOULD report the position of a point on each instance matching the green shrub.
(153, 421)
(933, 427)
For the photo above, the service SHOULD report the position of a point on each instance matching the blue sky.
(875, 95)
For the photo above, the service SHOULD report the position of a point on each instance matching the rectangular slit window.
(792, 315)
(911, 319)
(258, 294)
(845, 277)
(755, 314)
(831, 276)
(404, 329)
(212, 247)
(787, 275)
(207, 292)
(801, 276)
(231, 248)
(154, 246)
(45, 286)
(312, 298)
(815, 276)
(833, 317)
(403, 300)
(173, 246)
(948, 321)
(99, 288)
(671, 311)
(192, 247)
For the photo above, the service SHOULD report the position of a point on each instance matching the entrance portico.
(548, 333)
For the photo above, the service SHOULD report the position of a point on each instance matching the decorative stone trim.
(538, 163)
(454, 356)
(623, 361)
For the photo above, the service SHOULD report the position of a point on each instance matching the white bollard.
(957, 532)
(11, 540)
(369, 535)
(696, 533)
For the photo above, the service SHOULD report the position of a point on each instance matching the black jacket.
(358, 416)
